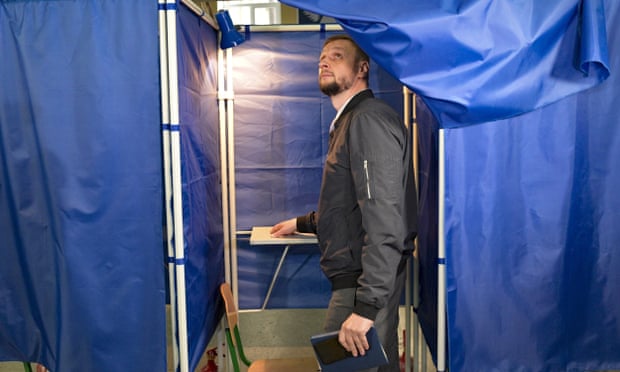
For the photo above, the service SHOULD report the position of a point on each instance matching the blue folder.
(333, 357)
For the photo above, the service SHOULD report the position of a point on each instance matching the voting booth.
(135, 153)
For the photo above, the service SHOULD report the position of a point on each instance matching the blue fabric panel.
(427, 225)
(81, 275)
(532, 235)
(281, 133)
(201, 177)
(476, 61)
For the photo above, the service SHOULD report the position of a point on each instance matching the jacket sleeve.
(378, 148)
(307, 223)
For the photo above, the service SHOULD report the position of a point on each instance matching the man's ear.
(363, 68)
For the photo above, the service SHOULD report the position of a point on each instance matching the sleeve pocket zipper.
(367, 179)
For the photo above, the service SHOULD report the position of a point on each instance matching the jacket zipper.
(367, 178)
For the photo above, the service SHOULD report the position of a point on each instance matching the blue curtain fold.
(201, 179)
(479, 61)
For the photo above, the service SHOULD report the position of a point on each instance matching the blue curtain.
(81, 275)
(476, 61)
(532, 239)
(201, 178)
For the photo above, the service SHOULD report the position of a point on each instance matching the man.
(366, 218)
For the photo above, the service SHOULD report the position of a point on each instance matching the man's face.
(337, 70)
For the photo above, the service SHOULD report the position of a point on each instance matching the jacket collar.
(359, 97)
(356, 100)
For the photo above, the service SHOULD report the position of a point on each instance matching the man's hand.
(353, 334)
(284, 228)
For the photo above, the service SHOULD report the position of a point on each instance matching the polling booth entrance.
(273, 129)
(278, 137)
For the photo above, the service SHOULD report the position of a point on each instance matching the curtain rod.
(201, 13)
(310, 27)
(262, 28)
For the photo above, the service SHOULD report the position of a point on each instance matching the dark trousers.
(386, 323)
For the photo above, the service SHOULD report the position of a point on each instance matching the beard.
(331, 88)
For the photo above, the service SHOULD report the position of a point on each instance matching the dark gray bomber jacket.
(367, 212)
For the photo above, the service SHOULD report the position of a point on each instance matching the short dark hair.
(360, 55)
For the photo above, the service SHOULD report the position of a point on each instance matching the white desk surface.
(260, 236)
